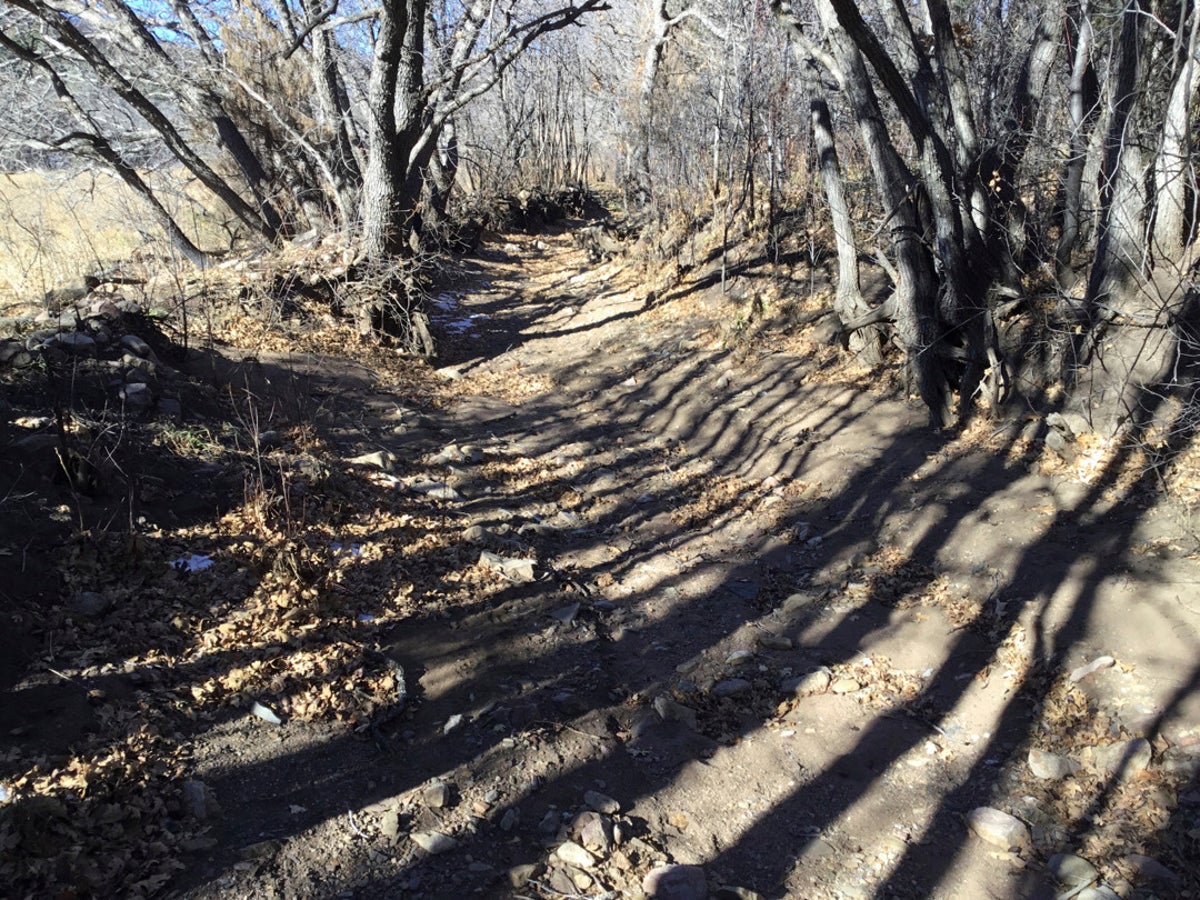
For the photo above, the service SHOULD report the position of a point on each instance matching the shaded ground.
(705, 527)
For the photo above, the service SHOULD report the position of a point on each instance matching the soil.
(575, 579)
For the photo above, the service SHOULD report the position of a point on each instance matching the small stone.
(1146, 868)
(739, 657)
(562, 883)
(1098, 893)
(136, 345)
(845, 686)
(1051, 766)
(567, 614)
(453, 722)
(196, 796)
(596, 835)
(670, 711)
(433, 842)
(519, 876)
(798, 603)
(676, 883)
(998, 828)
(575, 855)
(511, 819)
(383, 460)
(137, 396)
(549, 823)
(601, 803)
(1100, 662)
(816, 682)
(770, 641)
(731, 687)
(475, 534)
(1125, 758)
(1072, 871)
(389, 825)
(73, 341)
(264, 713)
(518, 570)
(436, 795)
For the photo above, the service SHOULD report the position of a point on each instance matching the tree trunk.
(1082, 92)
(1174, 170)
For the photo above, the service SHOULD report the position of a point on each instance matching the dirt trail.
(706, 530)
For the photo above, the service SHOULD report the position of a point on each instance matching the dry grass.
(57, 226)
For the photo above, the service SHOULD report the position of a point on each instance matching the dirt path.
(772, 627)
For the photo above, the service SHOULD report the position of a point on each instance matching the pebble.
(845, 686)
(197, 798)
(433, 842)
(1100, 662)
(798, 602)
(739, 657)
(575, 855)
(135, 345)
(475, 534)
(812, 683)
(670, 711)
(769, 641)
(1072, 871)
(510, 820)
(596, 834)
(389, 825)
(1125, 757)
(437, 795)
(453, 722)
(1148, 869)
(601, 803)
(1051, 766)
(674, 882)
(567, 614)
(519, 876)
(998, 828)
(136, 395)
(731, 687)
(1098, 893)
(380, 459)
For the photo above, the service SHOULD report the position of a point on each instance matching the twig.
(354, 825)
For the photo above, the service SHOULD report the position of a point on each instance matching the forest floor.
(613, 590)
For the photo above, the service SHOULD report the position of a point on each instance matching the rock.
(475, 534)
(436, 795)
(816, 682)
(14, 355)
(433, 842)
(728, 892)
(731, 687)
(596, 834)
(511, 819)
(389, 825)
(1125, 757)
(769, 641)
(561, 882)
(739, 657)
(601, 803)
(575, 855)
(265, 714)
(670, 711)
(380, 459)
(998, 828)
(453, 722)
(73, 341)
(1072, 871)
(136, 396)
(1059, 443)
(514, 569)
(1100, 662)
(196, 796)
(845, 686)
(1145, 868)
(1098, 893)
(567, 614)
(676, 883)
(603, 480)
(90, 604)
(798, 603)
(519, 876)
(1051, 766)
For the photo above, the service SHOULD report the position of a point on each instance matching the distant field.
(57, 226)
